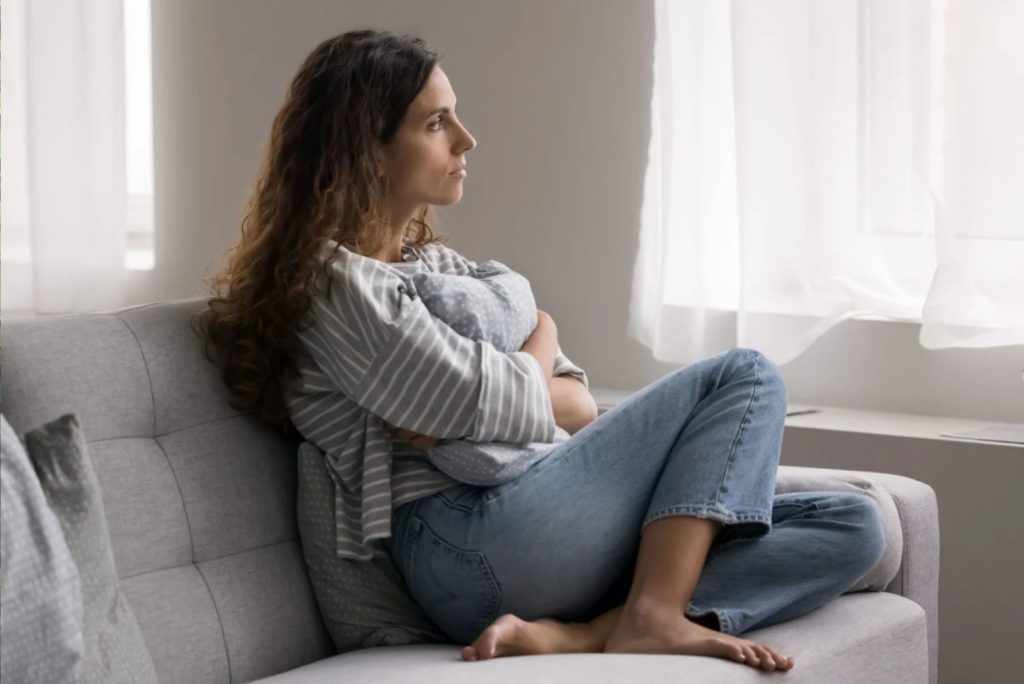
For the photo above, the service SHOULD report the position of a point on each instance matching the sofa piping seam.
(220, 620)
(212, 560)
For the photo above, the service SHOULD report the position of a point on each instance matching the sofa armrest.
(916, 574)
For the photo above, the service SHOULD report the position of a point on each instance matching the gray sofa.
(200, 501)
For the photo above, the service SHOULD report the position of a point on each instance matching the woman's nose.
(469, 142)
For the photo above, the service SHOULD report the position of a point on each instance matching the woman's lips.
(461, 173)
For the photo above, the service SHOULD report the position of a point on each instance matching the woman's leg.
(821, 545)
(702, 442)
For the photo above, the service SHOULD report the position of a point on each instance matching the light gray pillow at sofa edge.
(40, 589)
(115, 649)
(803, 480)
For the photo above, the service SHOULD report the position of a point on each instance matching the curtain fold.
(64, 194)
(812, 162)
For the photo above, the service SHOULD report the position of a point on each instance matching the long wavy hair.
(322, 178)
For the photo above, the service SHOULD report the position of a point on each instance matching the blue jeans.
(562, 539)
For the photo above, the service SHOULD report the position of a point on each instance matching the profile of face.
(429, 145)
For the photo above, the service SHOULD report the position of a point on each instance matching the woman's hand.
(421, 442)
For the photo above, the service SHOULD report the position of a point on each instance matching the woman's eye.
(439, 121)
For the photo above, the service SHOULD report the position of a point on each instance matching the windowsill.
(842, 419)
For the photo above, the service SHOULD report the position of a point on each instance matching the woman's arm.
(573, 405)
(570, 401)
(542, 344)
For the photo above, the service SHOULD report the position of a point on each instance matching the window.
(139, 251)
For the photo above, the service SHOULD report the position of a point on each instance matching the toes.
(752, 657)
(469, 653)
(485, 645)
(767, 660)
(781, 661)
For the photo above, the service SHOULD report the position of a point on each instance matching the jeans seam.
(740, 431)
(724, 621)
(724, 516)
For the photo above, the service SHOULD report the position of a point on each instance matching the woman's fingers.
(424, 443)
(402, 433)
(421, 442)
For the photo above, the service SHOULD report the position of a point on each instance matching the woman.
(653, 529)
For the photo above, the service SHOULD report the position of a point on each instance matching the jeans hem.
(712, 512)
(725, 625)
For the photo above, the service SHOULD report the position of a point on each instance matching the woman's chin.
(452, 198)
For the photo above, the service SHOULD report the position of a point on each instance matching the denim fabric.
(561, 540)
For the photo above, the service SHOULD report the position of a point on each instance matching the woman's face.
(429, 145)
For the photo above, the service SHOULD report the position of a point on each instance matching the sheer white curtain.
(64, 201)
(811, 162)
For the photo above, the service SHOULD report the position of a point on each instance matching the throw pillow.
(363, 603)
(825, 479)
(491, 302)
(115, 650)
(494, 304)
(40, 590)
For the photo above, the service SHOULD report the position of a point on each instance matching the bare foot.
(662, 629)
(510, 635)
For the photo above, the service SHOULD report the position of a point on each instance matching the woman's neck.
(391, 254)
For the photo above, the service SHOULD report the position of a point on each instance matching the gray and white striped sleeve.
(387, 352)
(563, 366)
(450, 261)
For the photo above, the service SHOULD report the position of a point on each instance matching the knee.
(767, 372)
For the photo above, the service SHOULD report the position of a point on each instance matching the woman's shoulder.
(347, 265)
(371, 287)
(444, 259)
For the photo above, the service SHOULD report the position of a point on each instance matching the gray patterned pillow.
(40, 590)
(363, 603)
(491, 303)
(115, 650)
(495, 304)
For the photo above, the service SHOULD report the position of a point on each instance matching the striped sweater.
(373, 356)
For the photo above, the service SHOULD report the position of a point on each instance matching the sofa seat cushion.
(861, 637)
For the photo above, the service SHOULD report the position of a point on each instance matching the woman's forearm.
(572, 404)
(543, 344)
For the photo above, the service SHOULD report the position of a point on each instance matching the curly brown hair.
(322, 179)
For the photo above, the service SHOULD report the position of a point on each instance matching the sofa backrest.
(199, 498)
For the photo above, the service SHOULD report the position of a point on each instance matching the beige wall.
(557, 94)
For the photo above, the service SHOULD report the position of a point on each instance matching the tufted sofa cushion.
(199, 498)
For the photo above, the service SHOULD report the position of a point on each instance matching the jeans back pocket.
(455, 587)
